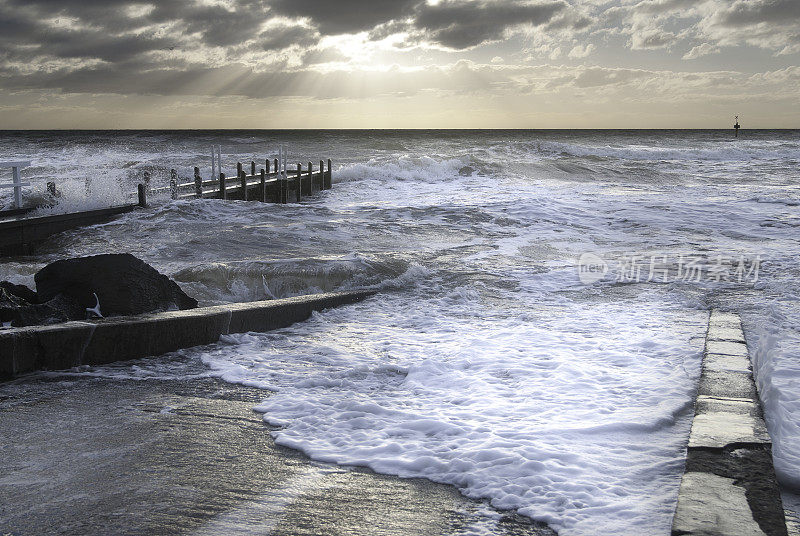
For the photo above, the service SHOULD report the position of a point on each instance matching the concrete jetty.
(729, 486)
(18, 232)
(70, 344)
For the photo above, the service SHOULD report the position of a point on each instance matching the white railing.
(16, 183)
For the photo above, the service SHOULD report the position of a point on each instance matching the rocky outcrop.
(60, 309)
(71, 290)
(19, 291)
(124, 285)
(9, 304)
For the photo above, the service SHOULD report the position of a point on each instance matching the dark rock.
(124, 285)
(60, 309)
(466, 171)
(20, 291)
(9, 304)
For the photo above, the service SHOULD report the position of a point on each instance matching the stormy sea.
(542, 301)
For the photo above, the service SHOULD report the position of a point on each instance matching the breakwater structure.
(729, 487)
(275, 182)
(105, 340)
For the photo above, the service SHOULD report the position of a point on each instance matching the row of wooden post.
(303, 188)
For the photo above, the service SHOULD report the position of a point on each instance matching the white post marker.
(16, 182)
(285, 162)
(219, 160)
(213, 164)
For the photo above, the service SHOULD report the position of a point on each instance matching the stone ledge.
(71, 344)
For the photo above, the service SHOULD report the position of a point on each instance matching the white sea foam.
(573, 415)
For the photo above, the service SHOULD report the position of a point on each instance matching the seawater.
(484, 361)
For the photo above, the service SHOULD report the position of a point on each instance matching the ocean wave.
(693, 152)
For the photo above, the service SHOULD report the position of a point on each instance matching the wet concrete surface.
(86, 455)
(729, 486)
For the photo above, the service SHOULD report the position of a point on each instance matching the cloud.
(651, 39)
(581, 51)
(256, 49)
(768, 24)
(334, 17)
(700, 50)
(461, 25)
(650, 24)
(742, 14)
(326, 55)
(279, 37)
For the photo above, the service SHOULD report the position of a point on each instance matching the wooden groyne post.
(198, 183)
(273, 183)
(173, 184)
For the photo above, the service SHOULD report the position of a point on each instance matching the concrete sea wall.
(70, 344)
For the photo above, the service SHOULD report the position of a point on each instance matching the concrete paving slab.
(722, 362)
(718, 333)
(727, 384)
(723, 319)
(712, 505)
(720, 423)
(727, 348)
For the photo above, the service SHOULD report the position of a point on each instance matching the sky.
(399, 64)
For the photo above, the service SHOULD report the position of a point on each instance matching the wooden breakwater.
(267, 184)
(273, 182)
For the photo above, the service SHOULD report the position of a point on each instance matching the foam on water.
(573, 415)
(484, 362)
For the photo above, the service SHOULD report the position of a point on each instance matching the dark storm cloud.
(770, 11)
(280, 37)
(25, 38)
(454, 24)
(462, 25)
(345, 16)
(216, 25)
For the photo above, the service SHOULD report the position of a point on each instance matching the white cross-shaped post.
(16, 183)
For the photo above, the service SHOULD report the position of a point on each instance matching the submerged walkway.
(729, 487)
